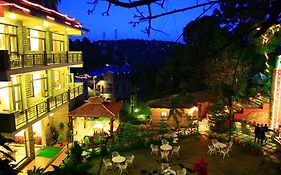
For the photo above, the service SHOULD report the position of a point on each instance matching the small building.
(197, 108)
(94, 118)
(113, 81)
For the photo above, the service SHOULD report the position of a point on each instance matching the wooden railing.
(42, 58)
(28, 115)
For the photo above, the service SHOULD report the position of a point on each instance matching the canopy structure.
(259, 78)
(97, 107)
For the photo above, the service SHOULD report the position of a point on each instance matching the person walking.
(257, 132)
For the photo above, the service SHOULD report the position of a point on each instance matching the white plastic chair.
(129, 160)
(181, 172)
(175, 150)
(123, 168)
(224, 152)
(154, 149)
(164, 166)
(107, 164)
(211, 150)
(164, 155)
(114, 154)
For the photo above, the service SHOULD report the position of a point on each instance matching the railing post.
(45, 60)
(56, 102)
(67, 57)
(36, 108)
(48, 105)
(68, 95)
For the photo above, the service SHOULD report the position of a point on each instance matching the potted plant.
(60, 140)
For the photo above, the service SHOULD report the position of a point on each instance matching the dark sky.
(120, 18)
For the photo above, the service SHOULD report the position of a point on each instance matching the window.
(163, 114)
(36, 40)
(8, 37)
(58, 42)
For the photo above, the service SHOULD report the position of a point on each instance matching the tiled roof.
(40, 11)
(105, 109)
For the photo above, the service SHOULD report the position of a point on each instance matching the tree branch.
(131, 4)
(180, 10)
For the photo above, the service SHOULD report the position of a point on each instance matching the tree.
(6, 158)
(48, 3)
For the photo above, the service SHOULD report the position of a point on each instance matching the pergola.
(97, 107)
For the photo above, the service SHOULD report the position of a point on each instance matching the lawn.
(240, 162)
(49, 151)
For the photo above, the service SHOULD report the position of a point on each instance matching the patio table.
(166, 147)
(118, 159)
(169, 171)
(220, 145)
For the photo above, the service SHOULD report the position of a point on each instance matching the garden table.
(169, 171)
(166, 147)
(220, 145)
(118, 159)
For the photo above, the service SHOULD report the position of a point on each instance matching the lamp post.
(94, 84)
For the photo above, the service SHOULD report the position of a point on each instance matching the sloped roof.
(97, 109)
(40, 11)
(166, 102)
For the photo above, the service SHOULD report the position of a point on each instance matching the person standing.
(257, 132)
(264, 130)
(262, 134)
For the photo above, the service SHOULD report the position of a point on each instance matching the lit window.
(58, 42)
(37, 40)
(163, 114)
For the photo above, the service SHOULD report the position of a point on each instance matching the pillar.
(29, 142)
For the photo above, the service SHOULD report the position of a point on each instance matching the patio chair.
(123, 168)
(154, 149)
(164, 142)
(175, 150)
(115, 153)
(230, 145)
(211, 150)
(224, 152)
(181, 172)
(164, 166)
(129, 160)
(164, 155)
(107, 164)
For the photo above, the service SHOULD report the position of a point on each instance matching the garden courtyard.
(241, 161)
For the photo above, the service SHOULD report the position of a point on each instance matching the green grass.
(49, 151)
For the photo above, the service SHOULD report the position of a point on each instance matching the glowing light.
(136, 110)
(52, 114)
(45, 24)
(98, 125)
(50, 18)
(12, 16)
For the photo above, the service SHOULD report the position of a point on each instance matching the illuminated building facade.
(37, 88)
(276, 94)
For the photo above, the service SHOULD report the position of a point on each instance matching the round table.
(169, 171)
(220, 145)
(118, 159)
(166, 147)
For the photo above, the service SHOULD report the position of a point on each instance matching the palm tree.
(175, 113)
(6, 158)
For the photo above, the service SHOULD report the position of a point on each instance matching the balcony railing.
(42, 58)
(36, 111)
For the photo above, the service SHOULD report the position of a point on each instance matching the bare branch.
(106, 13)
(204, 11)
(132, 4)
(180, 10)
(149, 21)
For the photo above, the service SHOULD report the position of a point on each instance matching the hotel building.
(37, 89)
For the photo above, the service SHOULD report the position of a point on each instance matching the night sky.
(120, 18)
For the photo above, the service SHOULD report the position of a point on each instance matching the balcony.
(24, 60)
(15, 120)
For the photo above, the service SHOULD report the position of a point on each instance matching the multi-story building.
(37, 88)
